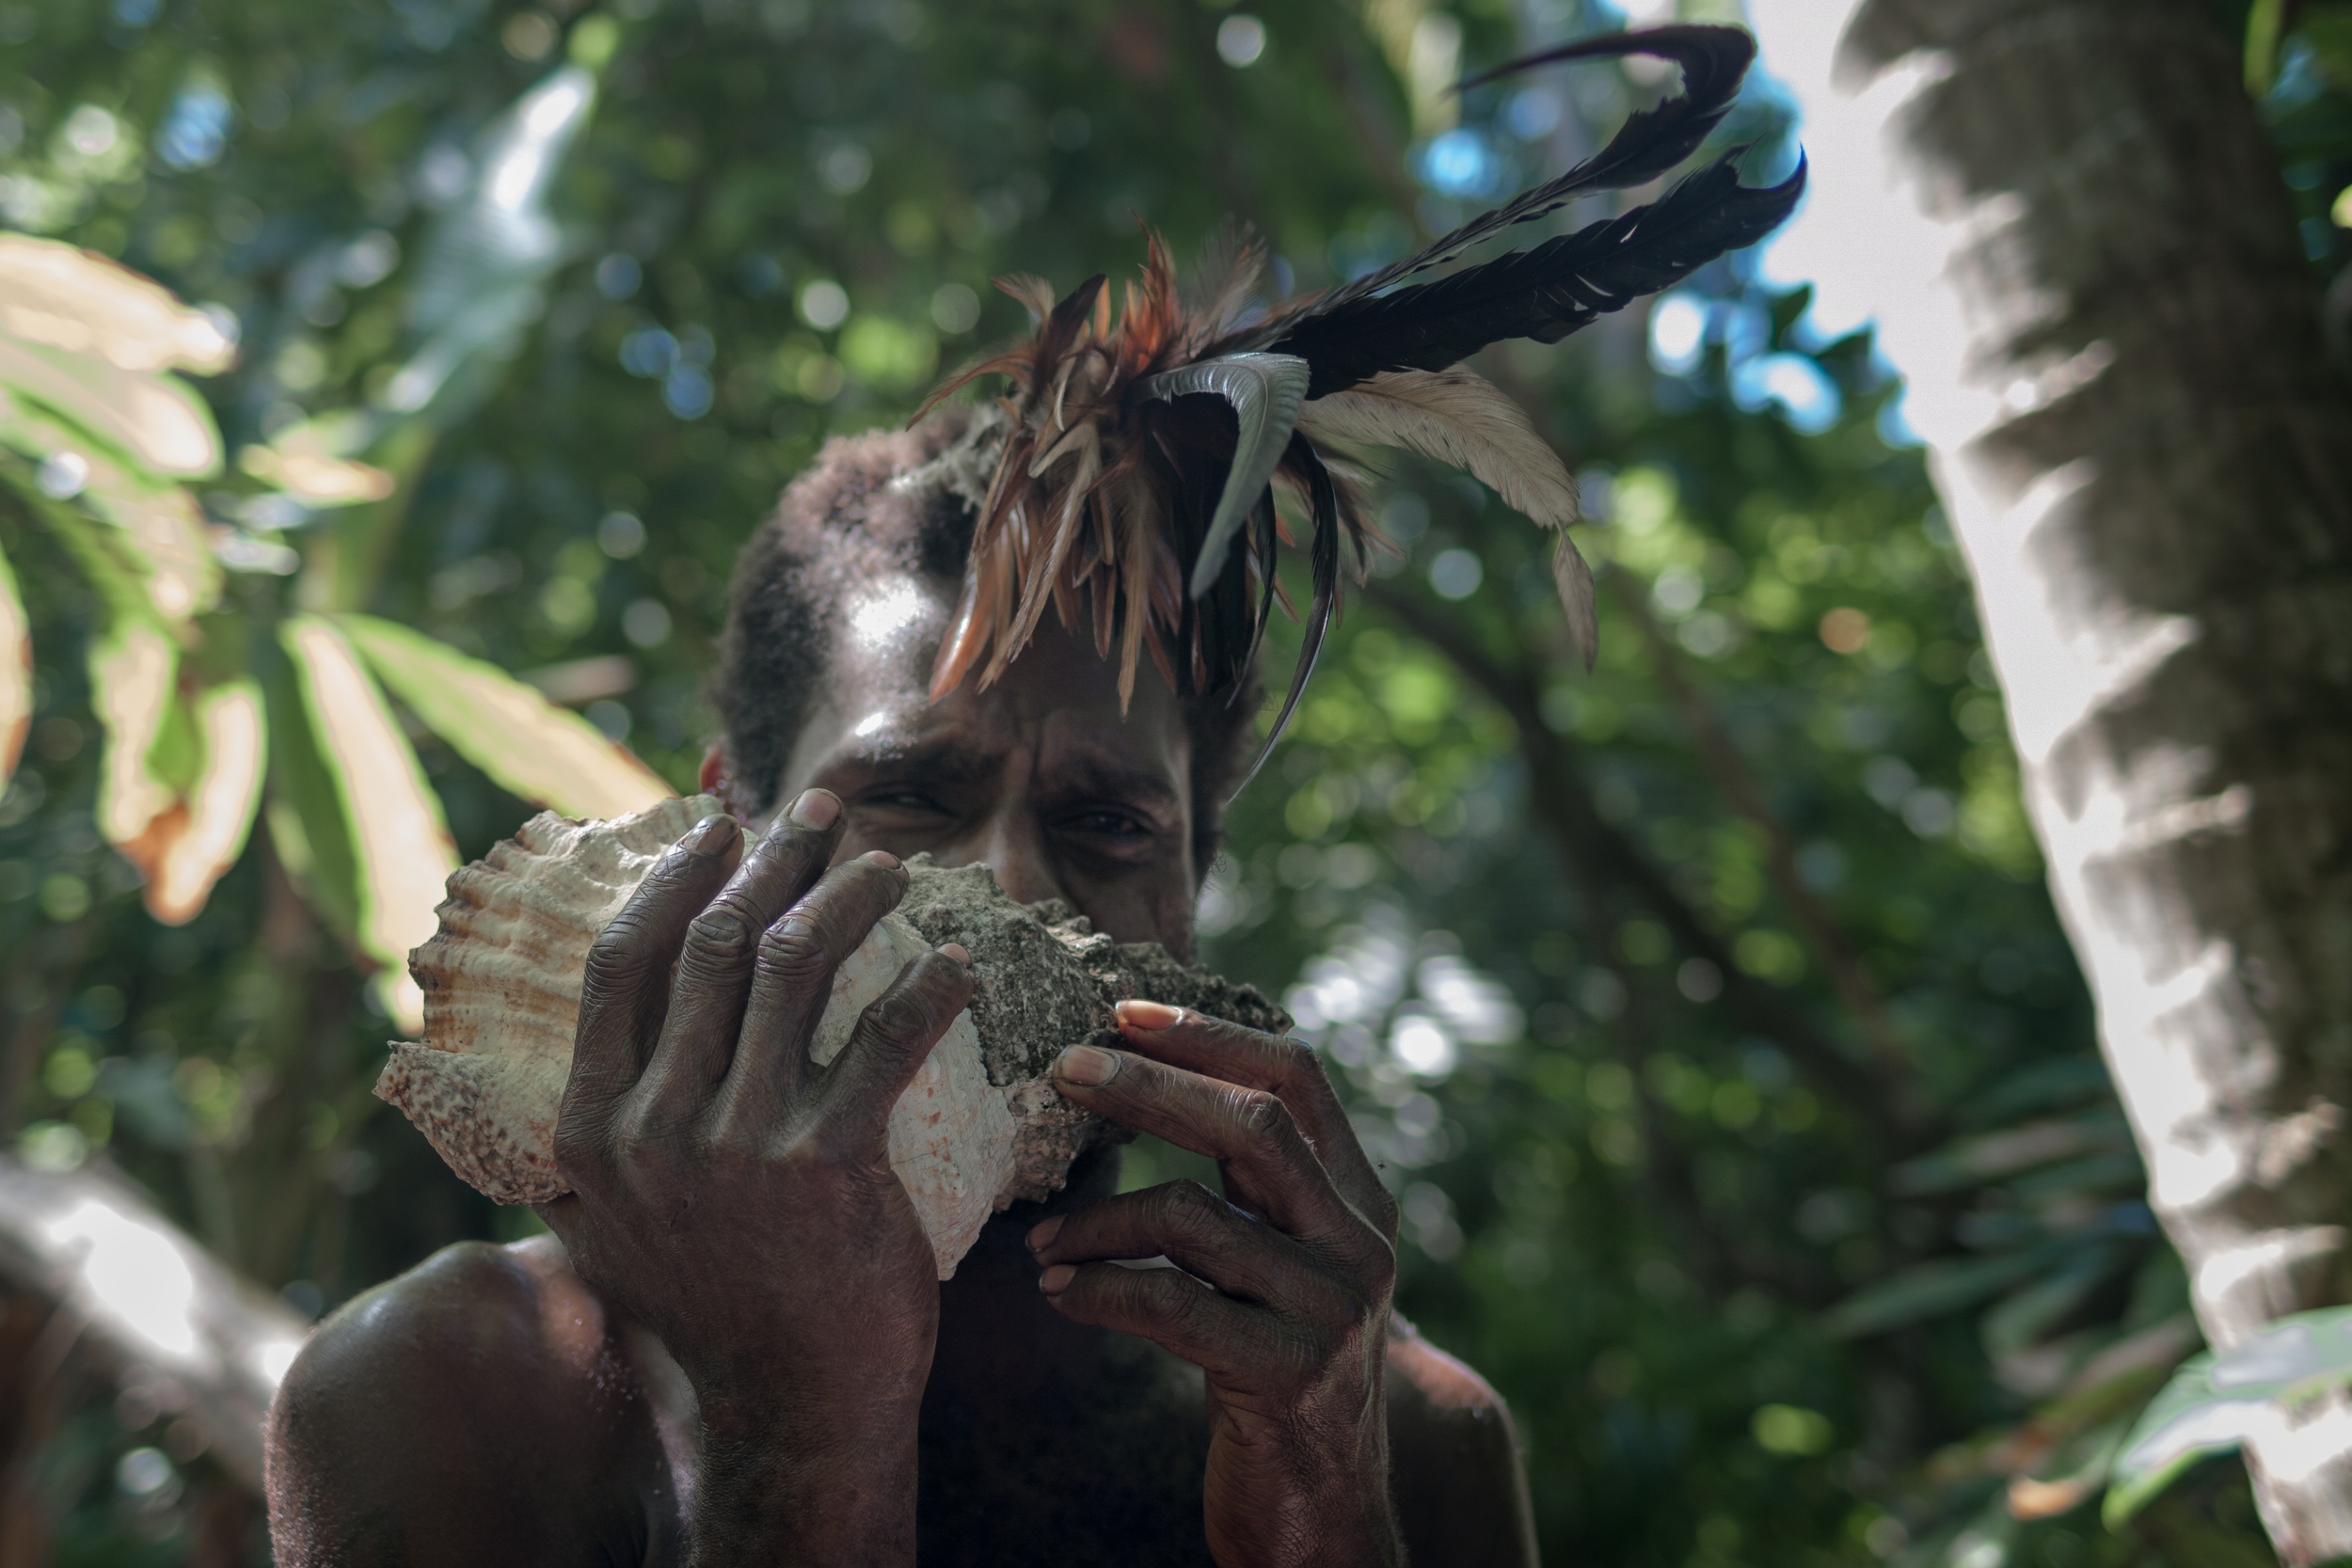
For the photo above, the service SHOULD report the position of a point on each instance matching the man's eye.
(1110, 824)
(904, 799)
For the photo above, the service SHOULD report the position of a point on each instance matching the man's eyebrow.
(942, 759)
(1099, 775)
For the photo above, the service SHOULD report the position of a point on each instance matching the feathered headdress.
(1134, 489)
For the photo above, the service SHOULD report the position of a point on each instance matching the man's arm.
(1461, 1485)
(474, 1411)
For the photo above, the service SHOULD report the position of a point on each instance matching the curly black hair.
(878, 505)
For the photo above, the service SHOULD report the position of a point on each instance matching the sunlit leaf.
(161, 521)
(401, 848)
(193, 842)
(16, 673)
(479, 274)
(131, 671)
(2216, 1402)
(154, 418)
(314, 478)
(79, 301)
(546, 755)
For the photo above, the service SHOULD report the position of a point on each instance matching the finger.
(1198, 1231)
(1285, 1067)
(626, 990)
(1266, 1162)
(894, 1037)
(1175, 1311)
(792, 984)
(723, 946)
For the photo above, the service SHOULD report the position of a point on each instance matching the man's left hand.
(1281, 1294)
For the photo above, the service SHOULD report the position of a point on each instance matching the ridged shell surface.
(979, 1126)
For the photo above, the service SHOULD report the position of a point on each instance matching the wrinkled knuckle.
(1189, 1206)
(617, 959)
(793, 949)
(900, 1016)
(722, 934)
(1261, 1114)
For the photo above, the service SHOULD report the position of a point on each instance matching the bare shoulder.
(480, 1408)
(1461, 1488)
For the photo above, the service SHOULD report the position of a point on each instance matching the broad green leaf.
(2215, 1402)
(193, 842)
(66, 297)
(546, 755)
(305, 811)
(402, 852)
(16, 673)
(153, 419)
(132, 668)
(163, 528)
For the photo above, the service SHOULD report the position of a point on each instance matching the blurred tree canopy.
(1707, 1011)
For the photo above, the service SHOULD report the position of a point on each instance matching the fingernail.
(1148, 1015)
(1086, 1064)
(711, 837)
(816, 808)
(1042, 1235)
(882, 858)
(1054, 1281)
(955, 950)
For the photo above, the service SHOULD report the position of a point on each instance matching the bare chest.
(1095, 1464)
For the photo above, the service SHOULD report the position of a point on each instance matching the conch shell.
(980, 1126)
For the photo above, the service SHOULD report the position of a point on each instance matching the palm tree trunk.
(2076, 242)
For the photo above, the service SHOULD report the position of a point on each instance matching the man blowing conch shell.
(734, 1350)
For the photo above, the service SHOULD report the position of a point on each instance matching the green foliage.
(1707, 1011)
(2215, 1402)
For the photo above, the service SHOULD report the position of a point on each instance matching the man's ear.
(714, 770)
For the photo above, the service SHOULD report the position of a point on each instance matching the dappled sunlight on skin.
(1040, 776)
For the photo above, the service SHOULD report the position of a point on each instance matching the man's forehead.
(1058, 700)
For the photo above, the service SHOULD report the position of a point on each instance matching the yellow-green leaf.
(546, 755)
(16, 673)
(195, 841)
(131, 669)
(401, 847)
(317, 478)
(153, 418)
(161, 521)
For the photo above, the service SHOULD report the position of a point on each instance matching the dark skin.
(739, 1352)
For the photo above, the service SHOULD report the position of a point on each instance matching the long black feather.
(1545, 292)
(1265, 537)
(1714, 60)
(1323, 555)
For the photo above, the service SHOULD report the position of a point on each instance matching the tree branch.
(1599, 854)
(1738, 788)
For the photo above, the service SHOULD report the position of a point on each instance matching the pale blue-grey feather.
(1265, 391)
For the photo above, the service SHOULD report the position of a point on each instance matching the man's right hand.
(739, 1200)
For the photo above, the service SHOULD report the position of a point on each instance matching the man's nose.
(1010, 843)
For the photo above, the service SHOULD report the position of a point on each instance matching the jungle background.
(1708, 1010)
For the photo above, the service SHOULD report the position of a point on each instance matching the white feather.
(1457, 417)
